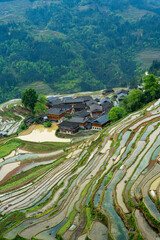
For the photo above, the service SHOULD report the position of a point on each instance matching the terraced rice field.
(104, 187)
(10, 126)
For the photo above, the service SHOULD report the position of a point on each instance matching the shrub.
(36, 120)
(68, 116)
(23, 126)
(47, 124)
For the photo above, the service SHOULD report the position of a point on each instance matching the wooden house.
(100, 122)
(82, 121)
(79, 107)
(68, 127)
(56, 114)
(95, 109)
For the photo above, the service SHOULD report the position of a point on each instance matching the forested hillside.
(76, 45)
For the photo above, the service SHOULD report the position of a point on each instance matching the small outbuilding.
(68, 127)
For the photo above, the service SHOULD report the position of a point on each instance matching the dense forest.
(77, 45)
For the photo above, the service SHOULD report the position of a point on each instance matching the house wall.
(55, 117)
(69, 131)
(96, 126)
(99, 112)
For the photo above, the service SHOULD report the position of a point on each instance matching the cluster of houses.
(83, 112)
(77, 113)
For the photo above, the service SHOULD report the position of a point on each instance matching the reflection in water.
(51, 233)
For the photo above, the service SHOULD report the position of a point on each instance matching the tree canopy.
(29, 98)
(133, 101)
(76, 45)
(151, 87)
(40, 106)
(116, 113)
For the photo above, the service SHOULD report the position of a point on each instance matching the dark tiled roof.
(79, 105)
(122, 91)
(85, 98)
(107, 91)
(82, 114)
(55, 111)
(106, 106)
(101, 120)
(95, 108)
(91, 102)
(63, 106)
(68, 124)
(53, 102)
(78, 119)
(72, 100)
(103, 100)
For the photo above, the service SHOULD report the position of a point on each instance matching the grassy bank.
(12, 144)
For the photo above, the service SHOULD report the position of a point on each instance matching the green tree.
(151, 87)
(133, 101)
(40, 106)
(116, 113)
(29, 98)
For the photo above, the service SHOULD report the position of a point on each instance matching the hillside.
(105, 187)
(70, 46)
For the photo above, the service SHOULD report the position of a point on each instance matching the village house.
(85, 98)
(82, 121)
(105, 100)
(79, 107)
(56, 114)
(95, 109)
(121, 94)
(29, 120)
(107, 91)
(100, 122)
(68, 127)
(106, 106)
(66, 107)
(71, 100)
(53, 101)
(91, 102)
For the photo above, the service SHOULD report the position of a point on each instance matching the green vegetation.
(116, 113)
(47, 124)
(9, 146)
(133, 101)
(29, 99)
(10, 221)
(40, 106)
(109, 177)
(137, 99)
(28, 176)
(67, 224)
(70, 46)
(151, 88)
(155, 68)
(89, 219)
(148, 215)
(43, 147)
(8, 115)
